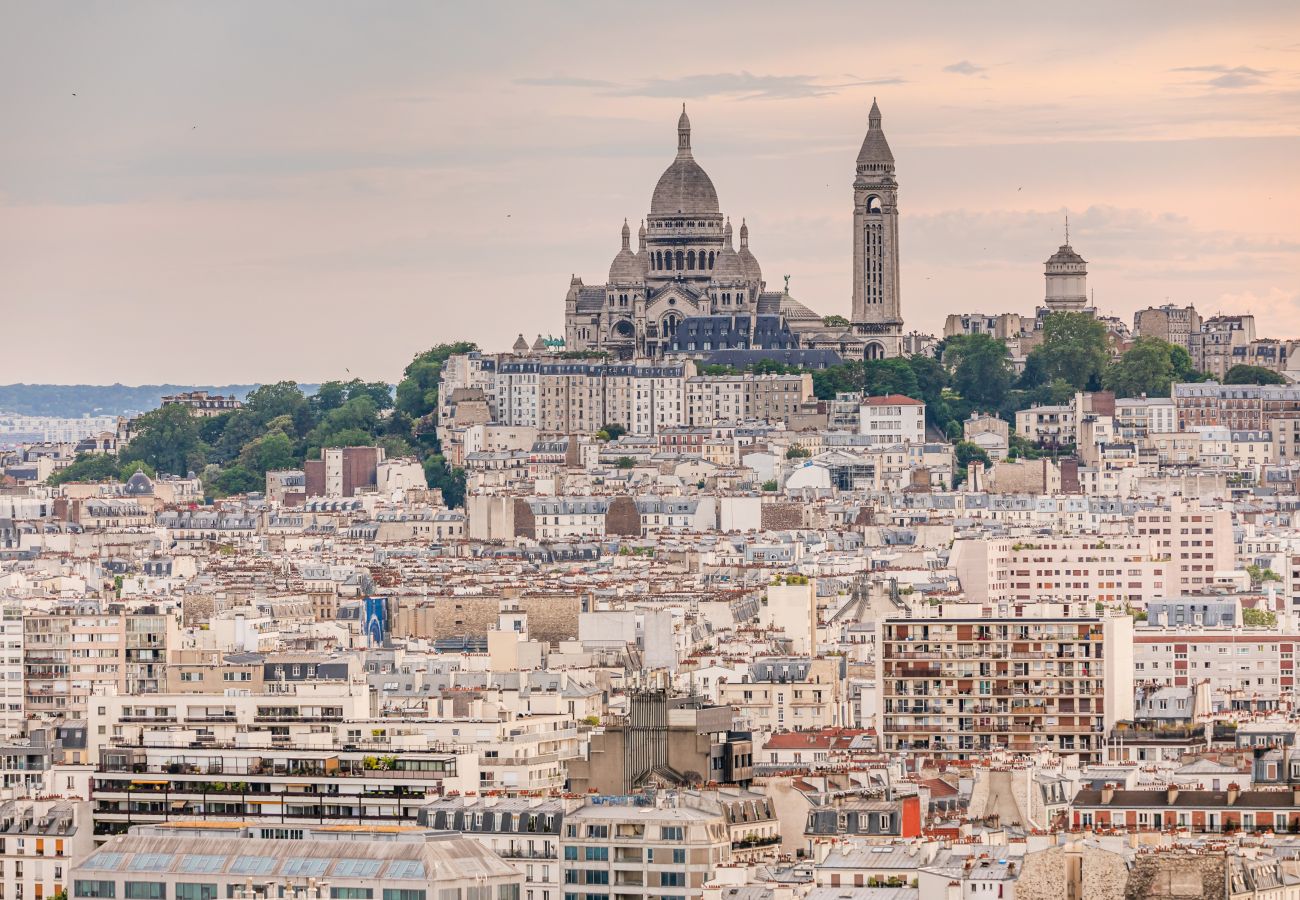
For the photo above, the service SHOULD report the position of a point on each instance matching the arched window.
(710, 259)
(873, 205)
(681, 258)
(690, 260)
(657, 259)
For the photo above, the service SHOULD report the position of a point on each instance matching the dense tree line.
(280, 426)
(973, 373)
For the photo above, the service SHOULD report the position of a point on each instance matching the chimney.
(1108, 793)
(1171, 794)
(1233, 791)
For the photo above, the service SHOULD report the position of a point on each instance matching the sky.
(236, 192)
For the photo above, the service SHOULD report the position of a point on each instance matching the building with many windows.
(1025, 677)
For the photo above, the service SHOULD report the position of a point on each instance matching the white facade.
(893, 419)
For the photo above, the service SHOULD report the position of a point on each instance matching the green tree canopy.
(270, 452)
(981, 368)
(1242, 374)
(95, 467)
(167, 439)
(1148, 367)
(1075, 348)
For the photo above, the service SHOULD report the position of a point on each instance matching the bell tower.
(877, 315)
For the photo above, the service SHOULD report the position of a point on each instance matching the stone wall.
(1178, 876)
(1075, 871)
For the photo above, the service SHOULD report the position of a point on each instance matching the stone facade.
(687, 288)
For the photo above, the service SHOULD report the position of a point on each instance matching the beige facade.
(960, 685)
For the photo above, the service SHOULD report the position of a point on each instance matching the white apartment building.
(1137, 417)
(1112, 570)
(1246, 668)
(892, 419)
(1197, 539)
(12, 702)
(1049, 425)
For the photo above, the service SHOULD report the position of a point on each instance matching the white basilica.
(687, 288)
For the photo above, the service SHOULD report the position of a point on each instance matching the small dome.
(521, 345)
(626, 268)
(728, 266)
(539, 345)
(138, 485)
(684, 187)
(1065, 255)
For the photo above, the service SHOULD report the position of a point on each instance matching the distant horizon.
(308, 192)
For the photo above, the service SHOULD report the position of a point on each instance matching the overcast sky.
(212, 192)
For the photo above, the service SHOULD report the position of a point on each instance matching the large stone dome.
(684, 187)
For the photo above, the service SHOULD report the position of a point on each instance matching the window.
(672, 833)
(144, 890)
(679, 856)
(672, 879)
(308, 867)
(357, 868)
(405, 894)
(190, 891)
(94, 888)
(351, 893)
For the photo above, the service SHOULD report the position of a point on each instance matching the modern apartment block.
(631, 849)
(1025, 677)
(72, 654)
(1111, 569)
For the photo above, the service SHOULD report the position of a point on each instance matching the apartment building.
(39, 839)
(1112, 570)
(711, 399)
(1177, 325)
(1049, 425)
(523, 831)
(13, 716)
(71, 655)
(1025, 677)
(578, 397)
(636, 849)
(1137, 417)
(892, 419)
(1196, 539)
(789, 694)
(1242, 668)
(1239, 407)
(1200, 812)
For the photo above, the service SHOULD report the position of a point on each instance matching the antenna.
(1067, 229)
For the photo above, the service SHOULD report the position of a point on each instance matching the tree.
(797, 452)
(981, 369)
(835, 322)
(770, 485)
(612, 431)
(890, 376)
(1258, 618)
(1242, 374)
(417, 392)
(235, 479)
(168, 440)
(89, 468)
(1075, 348)
(271, 452)
(625, 462)
(446, 479)
(1147, 368)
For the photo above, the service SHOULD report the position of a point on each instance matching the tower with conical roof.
(877, 314)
